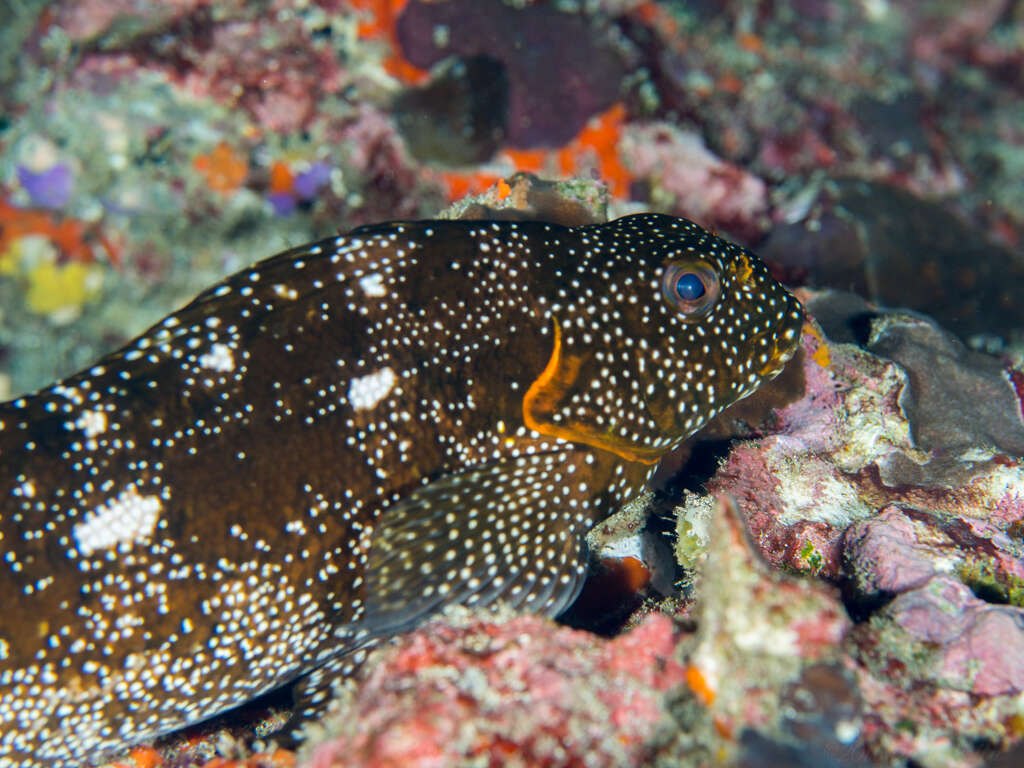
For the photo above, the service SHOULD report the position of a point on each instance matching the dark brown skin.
(327, 447)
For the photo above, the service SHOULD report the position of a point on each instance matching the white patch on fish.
(122, 522)
(366, 391)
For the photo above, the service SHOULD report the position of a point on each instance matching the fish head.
(673, 325)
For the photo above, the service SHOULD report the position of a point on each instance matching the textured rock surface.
(903, 498)
(956, 399)
(518, 691)
(759, 634)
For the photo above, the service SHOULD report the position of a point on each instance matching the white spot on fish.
(92, 423)
(219, 359)
(286, 292)
(366, 391)
(126, 520)
(373, 285)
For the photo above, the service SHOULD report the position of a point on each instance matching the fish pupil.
(690, 287)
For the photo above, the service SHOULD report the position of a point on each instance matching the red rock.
(521, 690)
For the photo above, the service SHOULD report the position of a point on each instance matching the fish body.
(327, 447)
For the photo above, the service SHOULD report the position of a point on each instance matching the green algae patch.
(812, 557)
(991, 584)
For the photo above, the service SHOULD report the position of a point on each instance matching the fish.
(328, 447)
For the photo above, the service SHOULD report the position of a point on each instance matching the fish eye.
(691, 287)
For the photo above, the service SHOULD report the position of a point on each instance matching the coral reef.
(760, 633)
(147, 149)
(915, 512)
(689, 180)
(117, 113)
(513, 691)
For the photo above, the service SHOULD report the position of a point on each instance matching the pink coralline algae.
(374, 151)
(868, 483)
(854, 443)
(85, 21)
(266, 64)
(937, 623)
(975, 647)
(268, 67)
(517, 691)
(687, 179)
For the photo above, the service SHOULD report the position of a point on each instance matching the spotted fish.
(331, 445)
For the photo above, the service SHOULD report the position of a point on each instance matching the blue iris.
(689, 286)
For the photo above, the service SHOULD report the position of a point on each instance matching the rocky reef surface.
(831, 574)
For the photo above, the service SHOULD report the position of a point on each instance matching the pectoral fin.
(511, 531)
